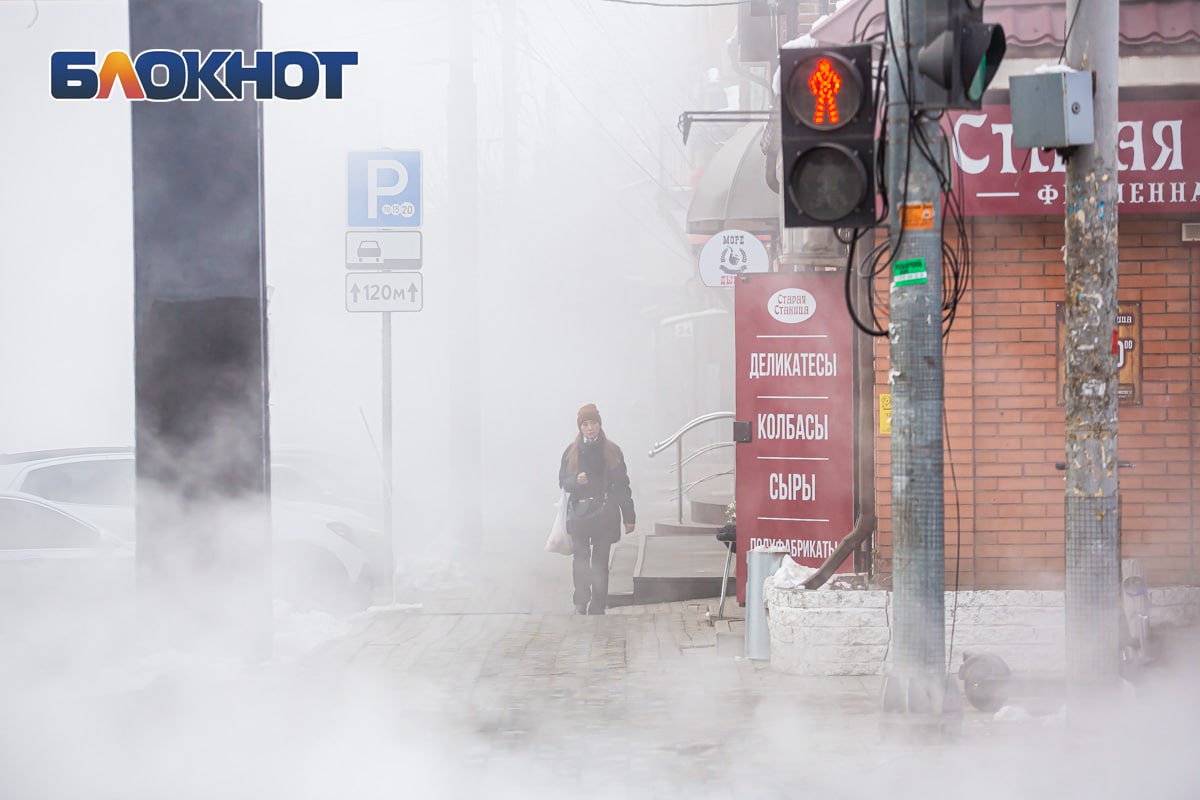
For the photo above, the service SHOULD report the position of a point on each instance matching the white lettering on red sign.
(1168, 155)
(797, 548)
(805, 427)
(1155, 141)
(1138, 193)
(793, 365)
(793, 486)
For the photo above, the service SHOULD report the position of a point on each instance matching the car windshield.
(102, 482)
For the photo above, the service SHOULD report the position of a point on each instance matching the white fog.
(465, 672)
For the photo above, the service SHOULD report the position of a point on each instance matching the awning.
(733, 191)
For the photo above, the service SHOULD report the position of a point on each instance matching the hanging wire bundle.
(956, 249)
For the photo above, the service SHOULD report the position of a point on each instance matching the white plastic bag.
(791, 575)
(559, 541)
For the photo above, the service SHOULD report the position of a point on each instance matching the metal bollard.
(761, 562)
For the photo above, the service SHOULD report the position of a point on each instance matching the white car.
(50, 557)
(318, 550)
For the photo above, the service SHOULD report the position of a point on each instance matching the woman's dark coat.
(607, 476)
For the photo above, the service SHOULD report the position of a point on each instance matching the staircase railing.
(677, 440)
(706, 449)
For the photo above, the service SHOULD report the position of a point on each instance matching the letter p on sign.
(378, 186)
(384, 189)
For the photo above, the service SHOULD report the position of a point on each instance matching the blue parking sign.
(384, 189)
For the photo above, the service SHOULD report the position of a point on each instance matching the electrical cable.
(855, 35)
(627, 58)
(1070, 27)
(956, 252)
(954, 288)
(849, 296)
(536, 55)
(957, 528)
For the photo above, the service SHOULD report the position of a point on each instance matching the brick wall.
(1006, 428)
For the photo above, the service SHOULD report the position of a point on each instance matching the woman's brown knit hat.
(588, 412)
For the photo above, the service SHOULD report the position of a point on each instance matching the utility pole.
(1092, 535)
(462, 146)
(917, 692)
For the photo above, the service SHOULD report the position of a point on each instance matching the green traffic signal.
(961, 56)
(983, 49)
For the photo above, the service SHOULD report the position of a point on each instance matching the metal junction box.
(1052, 109)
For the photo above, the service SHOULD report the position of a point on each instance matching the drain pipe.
(864, 452)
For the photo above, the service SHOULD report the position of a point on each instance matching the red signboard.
(1158, 151)
(795, 386)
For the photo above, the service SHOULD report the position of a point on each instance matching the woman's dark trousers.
(589, 568)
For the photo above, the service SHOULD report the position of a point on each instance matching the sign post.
(795, 388)
(384, 193)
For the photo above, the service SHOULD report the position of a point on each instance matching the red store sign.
(795, 386)
(1158, 154)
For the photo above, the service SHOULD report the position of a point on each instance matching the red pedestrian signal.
(824, 91)
(828, 137)
(825, 83)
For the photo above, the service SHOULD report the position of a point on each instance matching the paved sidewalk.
(651, 701)
(638, 703)
(492, 688)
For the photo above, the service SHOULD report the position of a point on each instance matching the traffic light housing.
(960, 57)
(828, 136)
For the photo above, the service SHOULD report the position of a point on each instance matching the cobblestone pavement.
(491, 687)
(640, 702)
(652, 701)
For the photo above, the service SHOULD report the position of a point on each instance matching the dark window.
(102, 482)
(29, 526)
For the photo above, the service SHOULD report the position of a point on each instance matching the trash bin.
(761, 562)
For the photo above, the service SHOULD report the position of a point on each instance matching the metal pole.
(679, 475)
(1093, 549)
(916, 691)
(463, 175)
(508, 76)
(388, 531)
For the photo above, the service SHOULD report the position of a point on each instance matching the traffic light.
(828, 137)
(960, 56)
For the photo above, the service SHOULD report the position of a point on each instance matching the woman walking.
(594, 476)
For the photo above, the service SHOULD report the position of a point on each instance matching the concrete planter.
(846, 632)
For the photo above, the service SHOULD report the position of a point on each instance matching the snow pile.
(1046, 69)
(803, 40)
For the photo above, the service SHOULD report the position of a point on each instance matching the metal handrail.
(699, 481)
(703, 450)
(677, 439)
(664, 444)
